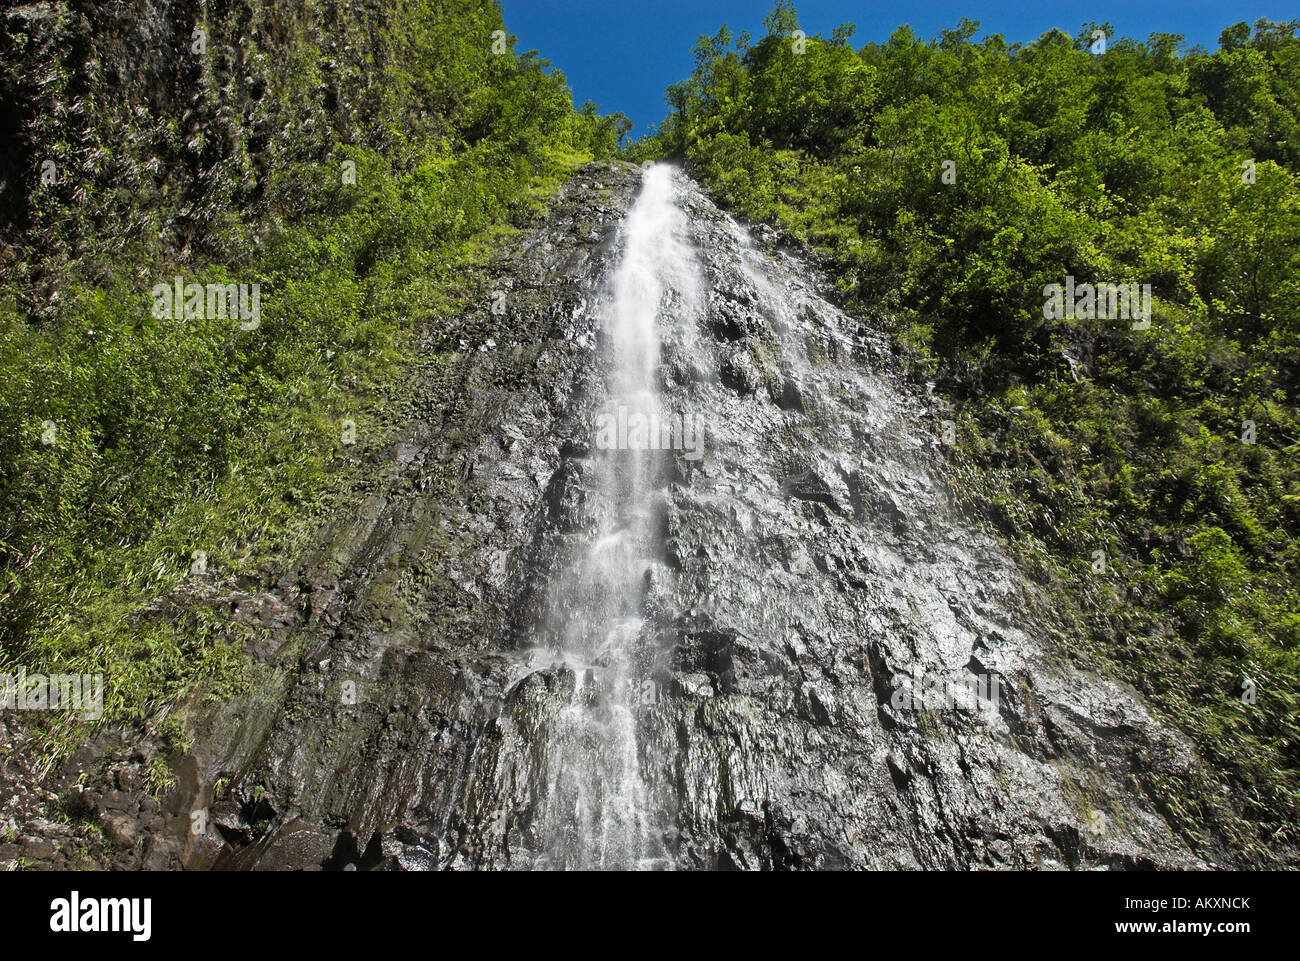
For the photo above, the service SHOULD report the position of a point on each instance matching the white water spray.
(595, 814)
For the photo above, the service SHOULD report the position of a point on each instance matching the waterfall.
(709, 658)
(596, 626)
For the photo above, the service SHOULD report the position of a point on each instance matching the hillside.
(356, 162)
(1143, 465)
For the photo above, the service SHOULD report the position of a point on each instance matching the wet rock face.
(835, 670)
(60, 824)
(845, 674)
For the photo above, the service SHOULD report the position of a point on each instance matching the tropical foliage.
(1151, 473)
(132, 448)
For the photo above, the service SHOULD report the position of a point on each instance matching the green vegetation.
(1075, 436)
(128, 444)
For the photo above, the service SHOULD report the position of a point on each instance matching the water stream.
(595, 626)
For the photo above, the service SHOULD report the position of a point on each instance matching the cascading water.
(699, 659)
(595, 813)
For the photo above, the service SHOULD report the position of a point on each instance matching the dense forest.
(1148, 469)
(256, 147)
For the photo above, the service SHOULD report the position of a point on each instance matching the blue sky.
(624, 53)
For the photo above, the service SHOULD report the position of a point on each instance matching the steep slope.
(1142, 465)
(346, 166)
(352, 165)
(810, 559)
(424, 714)
(372, 586)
